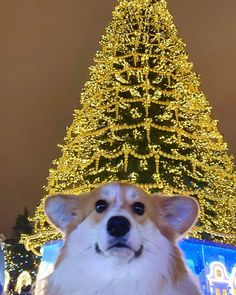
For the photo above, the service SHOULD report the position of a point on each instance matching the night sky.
(46, 47)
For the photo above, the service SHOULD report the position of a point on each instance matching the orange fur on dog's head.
(121, 228)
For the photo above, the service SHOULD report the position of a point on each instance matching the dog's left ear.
(62, 210)
(179, 212)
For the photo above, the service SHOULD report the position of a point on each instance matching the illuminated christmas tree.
(144, 120)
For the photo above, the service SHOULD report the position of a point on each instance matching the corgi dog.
(120, 240)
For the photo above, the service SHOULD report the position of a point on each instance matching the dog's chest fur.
(85, 277)
(108, 279)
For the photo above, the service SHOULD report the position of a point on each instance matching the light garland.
(144, 120)
(16, 263)
(24, 279)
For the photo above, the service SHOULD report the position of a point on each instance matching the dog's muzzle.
(118, 228)
(119, 245)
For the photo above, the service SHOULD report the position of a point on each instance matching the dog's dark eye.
(101, 206)
(138, 208)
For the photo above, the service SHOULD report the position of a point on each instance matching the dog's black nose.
(118, 226)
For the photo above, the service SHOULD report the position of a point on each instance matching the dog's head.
(120, 220)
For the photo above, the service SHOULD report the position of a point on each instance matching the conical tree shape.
(145, 121)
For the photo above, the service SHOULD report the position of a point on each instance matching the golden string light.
(144, 120)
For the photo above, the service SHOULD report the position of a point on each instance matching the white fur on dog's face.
(120, 200)
(146, 249)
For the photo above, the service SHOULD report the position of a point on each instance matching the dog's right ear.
(62, 210)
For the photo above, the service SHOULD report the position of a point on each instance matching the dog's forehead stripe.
(111, 191)
(119, 193)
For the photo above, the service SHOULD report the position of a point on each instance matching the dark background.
(46, 47)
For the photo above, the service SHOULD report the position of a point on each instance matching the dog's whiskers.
(151, 252)
(153, 244)
(85, 250)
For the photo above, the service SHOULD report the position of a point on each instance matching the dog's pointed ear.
(62, 210)
(179, 212)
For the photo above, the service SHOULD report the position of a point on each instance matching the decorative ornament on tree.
(144, 120)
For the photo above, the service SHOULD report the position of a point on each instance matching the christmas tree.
(145, 121)
(17, 258)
